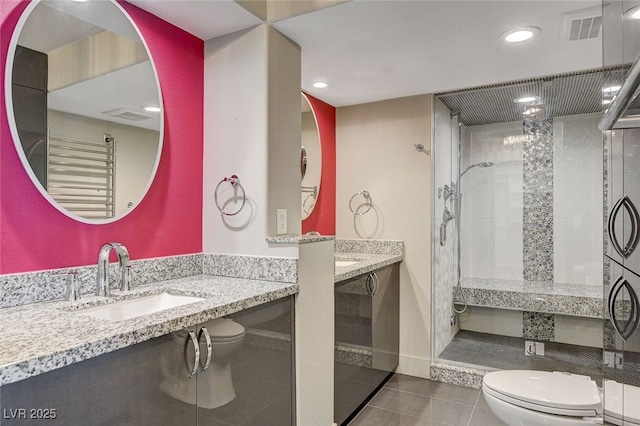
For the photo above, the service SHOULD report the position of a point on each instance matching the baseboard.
(414, 366)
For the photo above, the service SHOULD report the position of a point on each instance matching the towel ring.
(235, 183)
(367, 197)
(304, 203)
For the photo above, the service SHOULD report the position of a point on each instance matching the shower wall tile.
(578, 202)
(491, 221)
(538, 326)
(537, 208)
(445, 168)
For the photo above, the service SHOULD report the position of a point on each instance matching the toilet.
(215, 384)
(532, 398)
(537, 398)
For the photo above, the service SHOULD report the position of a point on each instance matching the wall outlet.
(281, 221)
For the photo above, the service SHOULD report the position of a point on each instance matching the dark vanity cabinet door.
(125, 387)
(623, 197)
(353, 345)
(366, 336)
(622, 330)
(386, 323)
(162, 382)
(262, 370)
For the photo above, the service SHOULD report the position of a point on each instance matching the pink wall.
(323, 217)
(35, 236)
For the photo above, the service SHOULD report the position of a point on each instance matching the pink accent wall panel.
(35, 236)
(323, 217)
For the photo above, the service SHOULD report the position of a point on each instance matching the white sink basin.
(346, 262)
(139, 306)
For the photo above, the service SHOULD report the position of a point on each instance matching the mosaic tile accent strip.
(538, 200)
(33, 287)
(280, 269)
(457, 375)
(388, 247)
(538, 326)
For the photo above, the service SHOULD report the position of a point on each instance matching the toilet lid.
(556, 393)
(223, 328)
(615, 394)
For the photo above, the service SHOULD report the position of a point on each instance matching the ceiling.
(373, 50)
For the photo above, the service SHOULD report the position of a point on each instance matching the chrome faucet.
(103, 268)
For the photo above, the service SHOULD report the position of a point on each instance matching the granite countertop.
(45, 336)
(363, 263)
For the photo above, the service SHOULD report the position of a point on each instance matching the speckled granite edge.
(33, 287)
(364, 263)
(388, 247)
(73, 338)
(299, 239)
(564, 299)
(280, 269)
(457, 375)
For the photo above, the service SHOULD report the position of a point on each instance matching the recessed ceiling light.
(320, 85)
(526, 99)
(79, 1)
(151, 108)
(633, 13)
(519, 34)
(610, 90)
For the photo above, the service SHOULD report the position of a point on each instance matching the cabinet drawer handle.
(192, 370)
(634, 315)
(207, 337)
(370, 285)
(635, 220)
(376, 284)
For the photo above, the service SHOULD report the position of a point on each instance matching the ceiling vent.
(582, 25)
(127, 114)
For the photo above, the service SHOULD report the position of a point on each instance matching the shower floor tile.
(504, 353)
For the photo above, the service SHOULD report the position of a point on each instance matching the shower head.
(484, 164)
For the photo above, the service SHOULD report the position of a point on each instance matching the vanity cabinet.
(366, 337)
(148, 383)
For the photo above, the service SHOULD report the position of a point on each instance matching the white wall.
(315, 343)
(374, 151)
(252, 122)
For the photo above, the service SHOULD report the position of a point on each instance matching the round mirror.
(311, 158)
(84, 107)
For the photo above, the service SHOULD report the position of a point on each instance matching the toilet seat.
(614, 395)
(553, 393)
(224, 330)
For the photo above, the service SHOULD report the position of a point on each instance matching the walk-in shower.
(523, 259)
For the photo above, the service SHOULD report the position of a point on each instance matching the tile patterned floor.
(409, 401)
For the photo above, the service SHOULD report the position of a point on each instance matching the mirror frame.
(14, 130)
(315, 119)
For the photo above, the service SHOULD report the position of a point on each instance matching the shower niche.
(523, 254)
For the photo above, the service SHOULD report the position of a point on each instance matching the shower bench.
(535, 296)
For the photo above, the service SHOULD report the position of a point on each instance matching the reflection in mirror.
(311, 157)
(86, 107)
